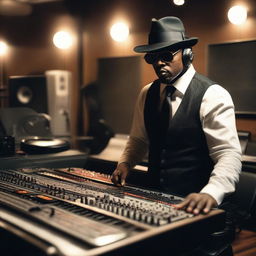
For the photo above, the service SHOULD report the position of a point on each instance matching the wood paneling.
(247, 125)
(32, 51)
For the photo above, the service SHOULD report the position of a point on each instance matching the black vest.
(179, 162)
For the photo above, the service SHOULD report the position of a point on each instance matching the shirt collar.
(183, 82)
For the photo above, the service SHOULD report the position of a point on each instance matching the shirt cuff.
(215, 192)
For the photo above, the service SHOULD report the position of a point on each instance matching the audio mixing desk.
(77, 212)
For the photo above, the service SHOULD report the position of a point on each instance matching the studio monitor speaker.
(58, 97)
(49, 93)
(28, 91)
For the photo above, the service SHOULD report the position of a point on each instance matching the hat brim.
(161, 46)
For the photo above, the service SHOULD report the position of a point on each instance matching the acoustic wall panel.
(232, 65)
(119, 84)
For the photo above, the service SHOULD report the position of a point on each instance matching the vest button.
(161, 180)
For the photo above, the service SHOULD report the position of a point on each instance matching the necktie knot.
(169, 90)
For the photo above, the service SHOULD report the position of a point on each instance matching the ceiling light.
(179, 2)
(119, 31)
(237, 15)
(62, 40)
(3, 48)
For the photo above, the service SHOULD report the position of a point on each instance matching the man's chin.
(165, 80)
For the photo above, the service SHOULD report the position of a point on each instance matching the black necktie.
(166, 108)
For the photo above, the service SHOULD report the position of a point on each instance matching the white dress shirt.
(218, 122)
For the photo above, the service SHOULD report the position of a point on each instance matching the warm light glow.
(15, 8)
(119, 31)
(3, 48)
(62, 40)
(179, 2)
(237, 15)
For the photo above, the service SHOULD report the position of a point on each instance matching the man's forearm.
(134, 151)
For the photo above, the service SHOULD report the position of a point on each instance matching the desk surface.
(114, 150)
(117, 144)
(68, 158)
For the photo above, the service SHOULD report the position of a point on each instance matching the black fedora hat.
(167, 32)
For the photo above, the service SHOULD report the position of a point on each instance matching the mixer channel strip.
(150, 208)
(132, 204)
(86, 210)
(98, 230)
(76, 173)
(45, 200)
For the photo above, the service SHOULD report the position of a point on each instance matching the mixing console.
(85, 209)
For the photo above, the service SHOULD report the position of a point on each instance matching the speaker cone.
(24, 95)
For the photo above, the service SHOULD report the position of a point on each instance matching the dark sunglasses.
(151, 58)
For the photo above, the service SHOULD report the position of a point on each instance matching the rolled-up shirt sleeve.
(218, 121)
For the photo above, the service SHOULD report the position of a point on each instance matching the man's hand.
(197, 202)
(120, 173)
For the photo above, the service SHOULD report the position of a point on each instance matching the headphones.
(187, 57)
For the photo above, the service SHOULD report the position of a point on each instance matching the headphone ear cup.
(187, 57)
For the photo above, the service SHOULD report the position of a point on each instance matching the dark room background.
(31, 50)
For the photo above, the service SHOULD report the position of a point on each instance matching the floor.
(245, 244)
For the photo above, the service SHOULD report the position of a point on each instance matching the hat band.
(165, 37)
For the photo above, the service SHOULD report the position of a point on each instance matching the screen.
(232, 66)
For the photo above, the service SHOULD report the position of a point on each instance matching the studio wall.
(206, 20)
(32, 51)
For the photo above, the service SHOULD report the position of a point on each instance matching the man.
(196, 153)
